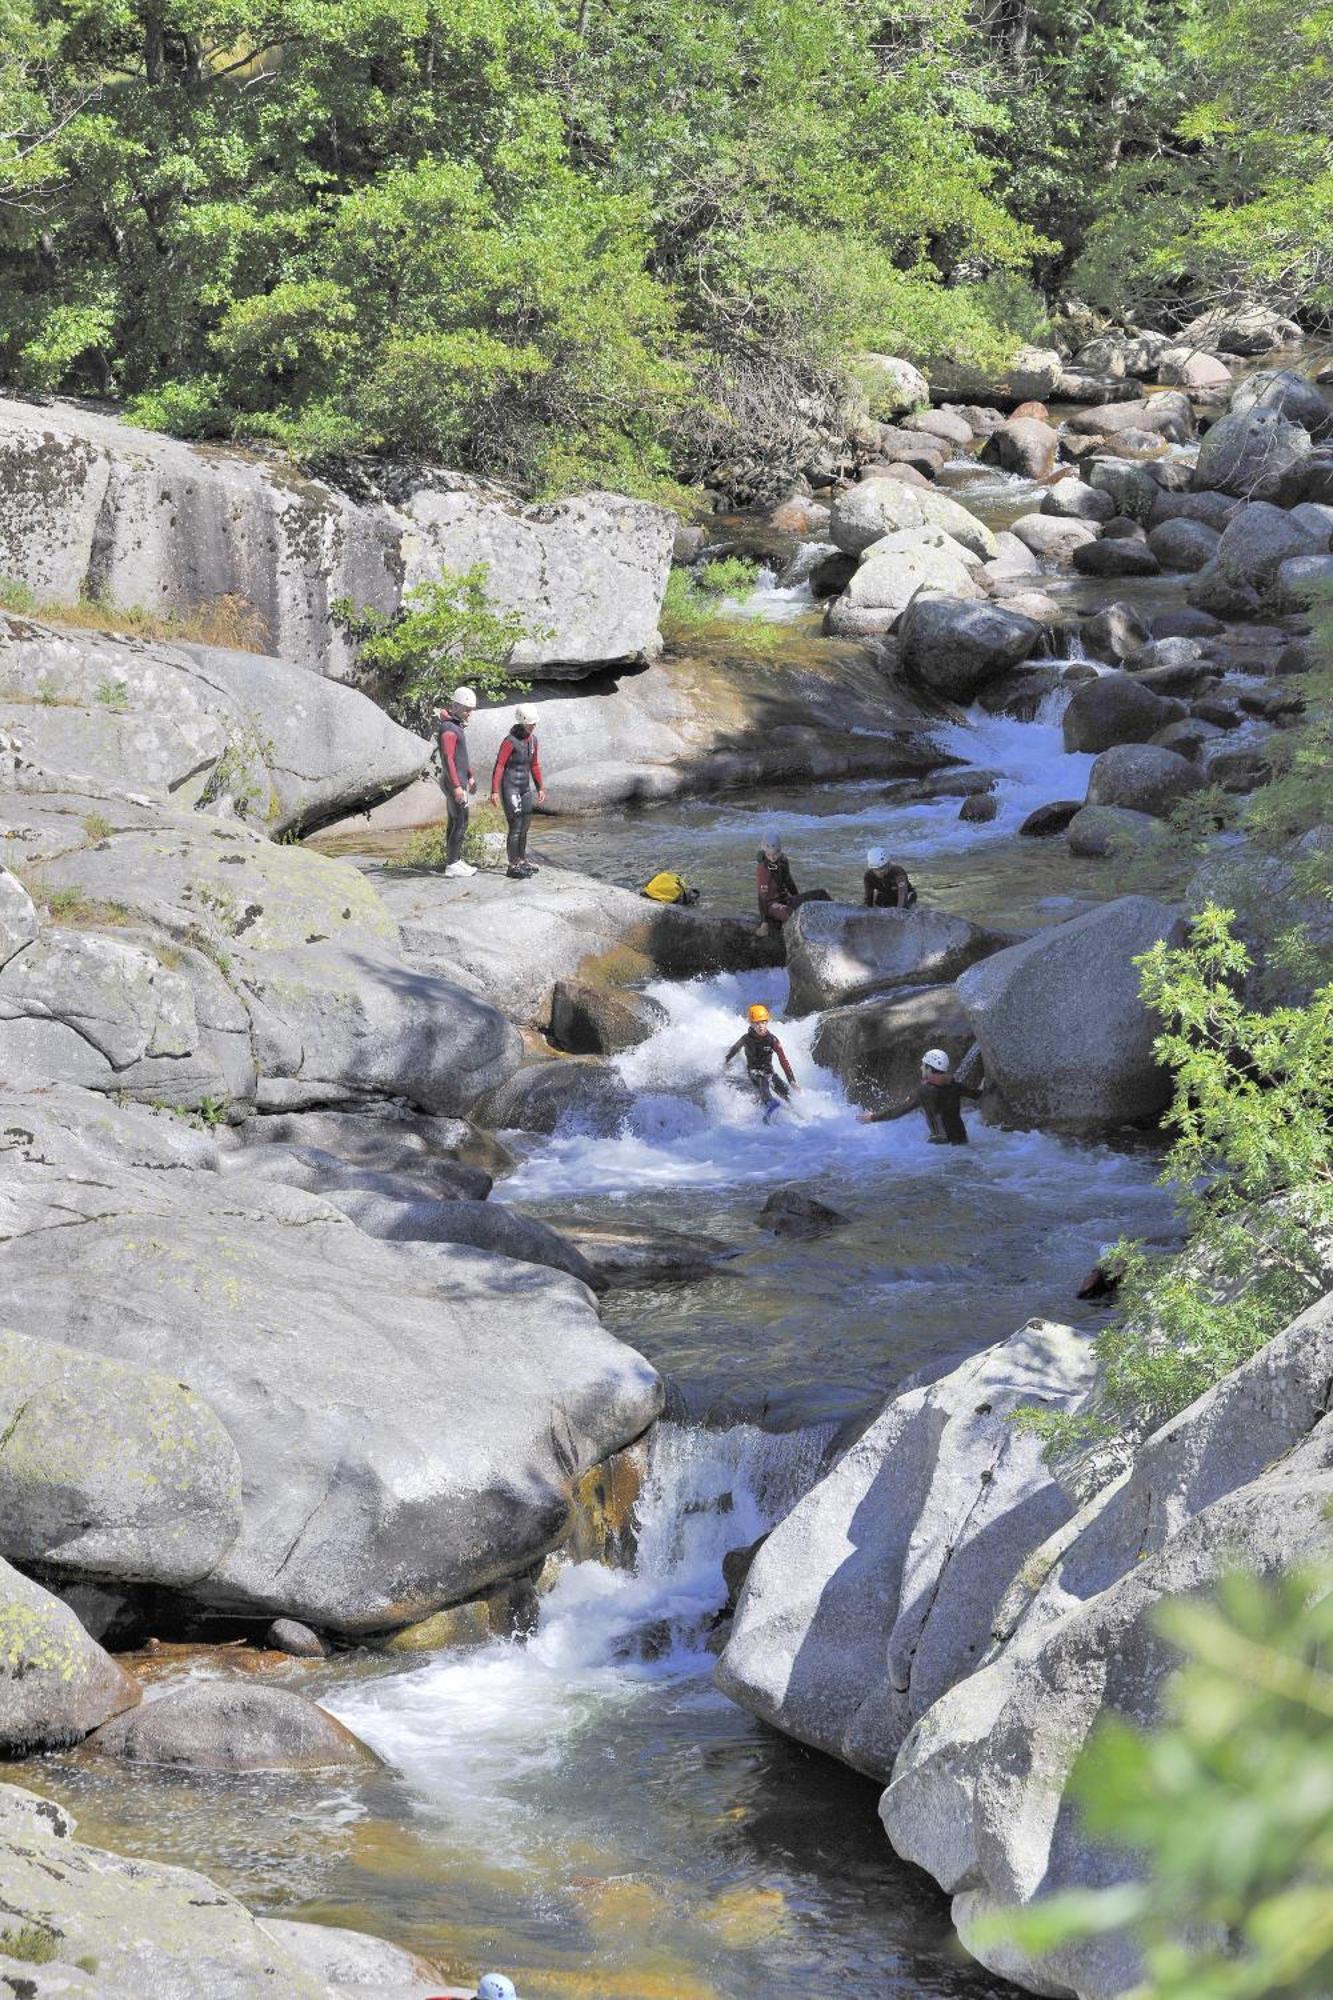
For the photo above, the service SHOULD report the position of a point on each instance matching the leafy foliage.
(1252, 1160)
(1230, 1801)
(444, 633)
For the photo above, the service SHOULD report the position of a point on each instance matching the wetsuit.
(888, 888)
(760, 1051)
(517, 770)
(942, 1104)
(455, 775)
(776, 885)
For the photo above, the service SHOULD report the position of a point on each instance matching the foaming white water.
(483, 1730)
(778, 603)
(692, 1125)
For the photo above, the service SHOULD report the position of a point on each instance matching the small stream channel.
(584, 1809)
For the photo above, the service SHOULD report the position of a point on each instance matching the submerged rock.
(231, 1725)
(792, 1213)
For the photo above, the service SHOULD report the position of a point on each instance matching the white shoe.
(459, 868)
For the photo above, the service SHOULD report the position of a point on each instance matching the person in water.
(456, 779)
(939, 1096)
(762, 1048)
(517, 770)
(887, 886)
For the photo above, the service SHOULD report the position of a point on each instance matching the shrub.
(445, 632)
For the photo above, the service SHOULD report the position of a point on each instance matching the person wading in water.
(761, 1048)
(456, 779)
(517, 769)
(939, 1096)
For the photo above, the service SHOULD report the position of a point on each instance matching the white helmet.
(525, 717)
(463, 698)
(875, 857)
(496, 1987)
(937, 1060)
(772, 843)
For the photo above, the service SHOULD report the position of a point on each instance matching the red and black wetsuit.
(760, 1051)
(517, 770)
(888, 888)
(776, 885)
(455, 775)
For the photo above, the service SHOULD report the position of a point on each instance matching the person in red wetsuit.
(517, 771)
(761, 1048)
(456, 779)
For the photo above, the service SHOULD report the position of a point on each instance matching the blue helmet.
(496, 1987)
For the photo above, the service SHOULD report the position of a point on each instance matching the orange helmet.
(758, 1012)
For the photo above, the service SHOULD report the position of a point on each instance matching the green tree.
(445, 632)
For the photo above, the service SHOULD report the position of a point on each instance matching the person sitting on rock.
(939, 1096)
(761, 1047)
(778, 893)
(456, 779)
(517, 769)
(887, 885)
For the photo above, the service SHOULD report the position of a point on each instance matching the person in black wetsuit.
(456, 779)
(887, 886)
(776, 886)
(761, 1048)
(517, 769)
(939, 1096)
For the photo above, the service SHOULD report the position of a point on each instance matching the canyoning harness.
(668, 887)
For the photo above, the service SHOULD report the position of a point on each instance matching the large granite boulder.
(979, 1796)
(874, 1047)
(1253, 454)
(1115, 708)
(1245, 575)
(893, 571)
(1075, 500)
(1067, 1040)
(1053, 537)
(892, 386)
(410, 1418)
(1142, 777)
(876, 1593)
(1291, 394)
(586, 574)
(955, 647)
(871, 509)
(1244, 329)
(109, 1470)
(1182, 544)
(95, 508)
(838, 952)
(1031, 375)
(56, 1683)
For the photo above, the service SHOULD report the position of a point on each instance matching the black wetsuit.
(882, 886)
(760, 1052)
(942, 1104)
(455, 774)
(517, 769)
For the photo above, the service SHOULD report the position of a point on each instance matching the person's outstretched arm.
(734, 1050)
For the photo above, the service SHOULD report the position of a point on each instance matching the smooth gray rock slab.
(409, 1417)
(875, 1594)
(485, 1225)
(874, 1047)
(838, 952)
(1066, 1040)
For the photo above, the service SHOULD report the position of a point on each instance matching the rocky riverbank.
(278, 1368)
